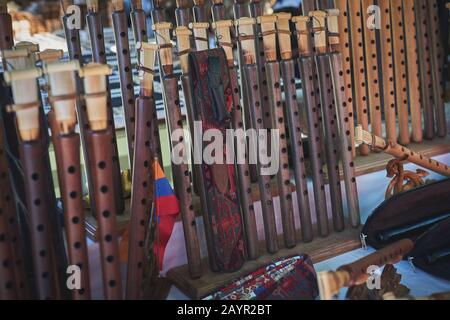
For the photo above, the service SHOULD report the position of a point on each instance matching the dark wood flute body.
(398, 45)
(371, 54)
(293, 118)
(331, 135)
(256, 113)
(311, 96)
(243, 169)
(256, 10)
(36, 189)
(69, 163)
(359, 70)
(138, 21)
(346, 149)
(96, 35)
(426, 88)
(8, 284)
(120, 25)
(141, 201)
(101, 155)
(181, 174)
(437, 65)
(283, 175)
(387, 71)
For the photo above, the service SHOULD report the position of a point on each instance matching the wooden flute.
(120, 25)
(400, 152)
(359, 70)
(344, 49)
(181, 174)
(401, 92)
(340, 101)
(414, 85)
(268, 29)
(313, 118)
(139, 25)
(373, 83)
(437, 63)
(223, 32)
(245, 30)
(424, 54)
(242, 10)
(387, 67)
(294, 121)
(183, 35)
(141, 195)
(356, 273)
(324, 72)
(62, 81)
(99, 138)
(96, 36)
(26, 107)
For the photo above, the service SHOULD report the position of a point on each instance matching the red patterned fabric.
(213, 103)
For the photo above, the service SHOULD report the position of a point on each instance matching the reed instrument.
(344, 49)
(401, 92)
(371, 54)
(99, 138)
(357, 273)
(414, 84)
(359, 67)
(142, 182)
(223, 33)
(268, 28)
(400, 152)
(437, 65)
(95, 27)
(294, 123)
(181, 174)
(63, 99)
(313, 119)
(120, 26)
(245, 30)
(343, 122)
(324, 72)
(424, 54)
(28, 123)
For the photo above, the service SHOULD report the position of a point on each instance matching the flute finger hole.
(106, 214)
(104, 189)
(35, 176)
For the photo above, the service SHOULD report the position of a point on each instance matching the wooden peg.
(162, 31)
(269, 35)
(303, 35)
(147, 60)
(26, 101)
(333, 29)
(183, 35)
(96, 97)
(117, 5)
(92, 5)
(200, 31)
(223, 36)
(246, 37)
(30, 46)
(319, 29)
(284, 35)
(49, 55)
(61, 76)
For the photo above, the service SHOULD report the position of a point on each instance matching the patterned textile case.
(292, 278)
(213, 103)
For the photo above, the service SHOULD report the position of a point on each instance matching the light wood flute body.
(346, 147)
(99, 137)
(245, 28)
(313, 118)
(181, 174)
(142, 182)
(359, 69)
(268, 29)
(400, 152)
(293, 116)
(26, 107)
(223, 28)
(356, 273)
(62, 81)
